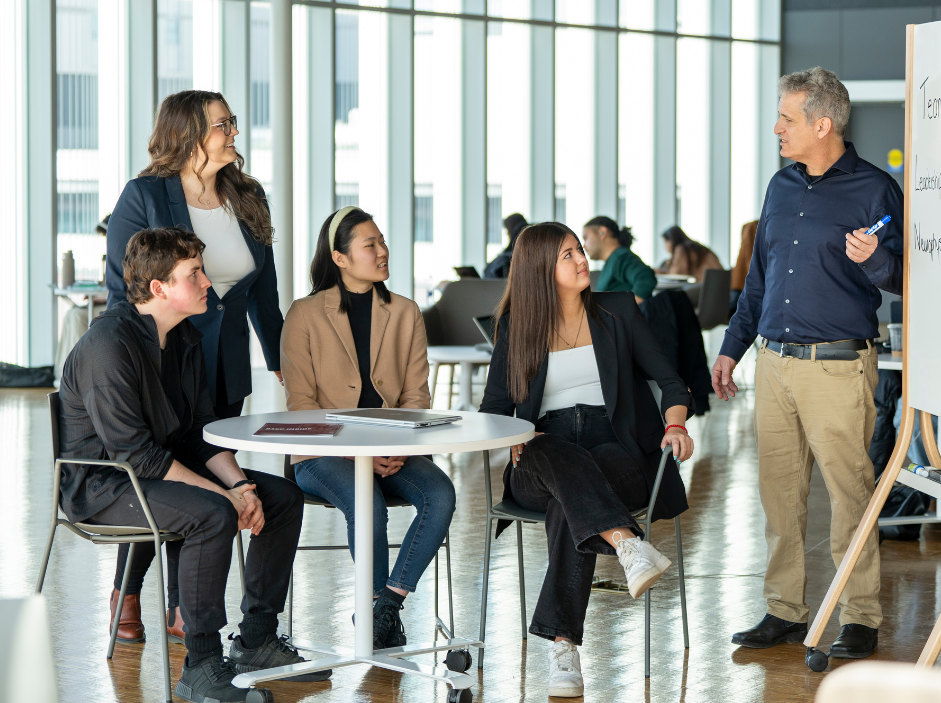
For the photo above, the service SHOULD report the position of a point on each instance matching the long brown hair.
(531, 290)
(183, 126)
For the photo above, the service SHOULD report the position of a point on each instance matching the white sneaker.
(565, 671)
(643, 564)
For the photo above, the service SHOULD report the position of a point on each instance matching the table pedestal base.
(385, 658)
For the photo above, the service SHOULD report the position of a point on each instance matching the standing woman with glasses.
(195, 181)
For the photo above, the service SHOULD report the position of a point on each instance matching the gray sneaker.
(210, 681)
(274, 652)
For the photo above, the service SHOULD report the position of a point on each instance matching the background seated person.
(574, 363)
(500, 266)
(687, 256)
(353, 344)
(134, 389)
(75, 322)
(623, 269)
(740, 270)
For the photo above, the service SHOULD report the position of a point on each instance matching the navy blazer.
(627, 353)
(150, 201)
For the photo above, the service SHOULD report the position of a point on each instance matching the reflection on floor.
(724, 549)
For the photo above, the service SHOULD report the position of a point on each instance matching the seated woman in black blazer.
(575, 363)
(195, 181)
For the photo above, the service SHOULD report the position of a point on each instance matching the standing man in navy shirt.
(812, 294)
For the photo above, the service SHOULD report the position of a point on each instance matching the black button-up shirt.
(801, 286)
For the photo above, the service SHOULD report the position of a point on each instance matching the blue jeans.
(419, 481)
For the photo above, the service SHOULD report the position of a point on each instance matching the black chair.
(510, 510)
(713, 307)
(392, 502)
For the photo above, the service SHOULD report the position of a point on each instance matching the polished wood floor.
(724, 549)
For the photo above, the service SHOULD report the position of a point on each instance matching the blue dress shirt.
(801, 286)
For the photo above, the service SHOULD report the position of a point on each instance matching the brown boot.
(175, 626)
(130, 627)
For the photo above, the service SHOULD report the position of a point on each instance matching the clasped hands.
(248, 506)
(385, 466)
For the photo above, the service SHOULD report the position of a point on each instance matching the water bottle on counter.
(67, 270)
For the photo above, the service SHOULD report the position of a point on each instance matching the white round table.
(467, 358)
(474, 432)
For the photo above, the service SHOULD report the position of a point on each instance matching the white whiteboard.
(924, 224)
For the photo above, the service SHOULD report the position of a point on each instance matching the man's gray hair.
(826, 96)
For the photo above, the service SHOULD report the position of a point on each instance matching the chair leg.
(647, 634)
(483, 593)
(164, 646)
(119, 608)
(447, 562)
(679, 561)
(519, 554)
(291, 604)
(434, 380)
(450, 384)
(238, 543)
(436, 585)
(45, 559)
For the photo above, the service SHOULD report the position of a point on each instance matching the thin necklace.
(580, 321)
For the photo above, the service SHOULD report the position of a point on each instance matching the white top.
(473, 432)
(572, 378)
(227, 258)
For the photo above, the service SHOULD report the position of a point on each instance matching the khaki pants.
(823, 410)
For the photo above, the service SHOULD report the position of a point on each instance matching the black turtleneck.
(360, 316)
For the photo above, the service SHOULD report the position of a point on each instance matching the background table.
(474, 432)
(88, 291)
(467, 358)
(890, 362)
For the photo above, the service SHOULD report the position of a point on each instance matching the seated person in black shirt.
(134, 389)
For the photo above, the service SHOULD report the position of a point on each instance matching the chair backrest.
(54, 422)
(289, 469)
(450, 321)
(593, 277)
(714, 298)
(657, 396)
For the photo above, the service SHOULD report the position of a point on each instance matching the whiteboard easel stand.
(815, 659)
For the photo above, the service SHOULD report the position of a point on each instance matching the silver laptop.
(486, 327)
(390, 417)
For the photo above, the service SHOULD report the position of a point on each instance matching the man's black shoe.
(855, 642)
(210, 681)
(769, 632)
(274, 652)
(387, 628)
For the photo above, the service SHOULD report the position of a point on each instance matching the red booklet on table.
(307, 429)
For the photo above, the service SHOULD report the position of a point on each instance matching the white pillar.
(207, 45)
(386, 152)
(720, 125)
(40, 167)
(282, 148)
(664, 136)
(113, 136)
(769, 70)
(142, 81)
(235, 78)
(473, 140)
(605, 145)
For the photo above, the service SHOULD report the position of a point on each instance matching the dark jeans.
(586, 483)
(208, 523)
(419, 482)
(144, 552)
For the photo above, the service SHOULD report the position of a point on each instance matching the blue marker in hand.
(879, 225)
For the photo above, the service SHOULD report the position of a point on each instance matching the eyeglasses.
(227, 125)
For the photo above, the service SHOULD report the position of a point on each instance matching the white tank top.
(572, 378)
(227, 258)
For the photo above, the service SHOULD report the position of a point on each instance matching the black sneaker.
(274, 652)
(387, 628)
(210, 681)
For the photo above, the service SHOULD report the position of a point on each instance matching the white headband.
(335, 222)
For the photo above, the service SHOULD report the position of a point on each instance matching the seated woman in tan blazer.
(353, 344)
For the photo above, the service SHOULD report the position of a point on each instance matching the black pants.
(144, 552)
(208, 523)
(586, 483)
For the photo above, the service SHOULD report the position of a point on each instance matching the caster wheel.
(460, 695)
(259, 695)
(458, 660)
(816, 660)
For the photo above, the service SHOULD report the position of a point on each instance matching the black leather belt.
(836, 351)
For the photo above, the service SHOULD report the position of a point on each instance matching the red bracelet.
(671, 426)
